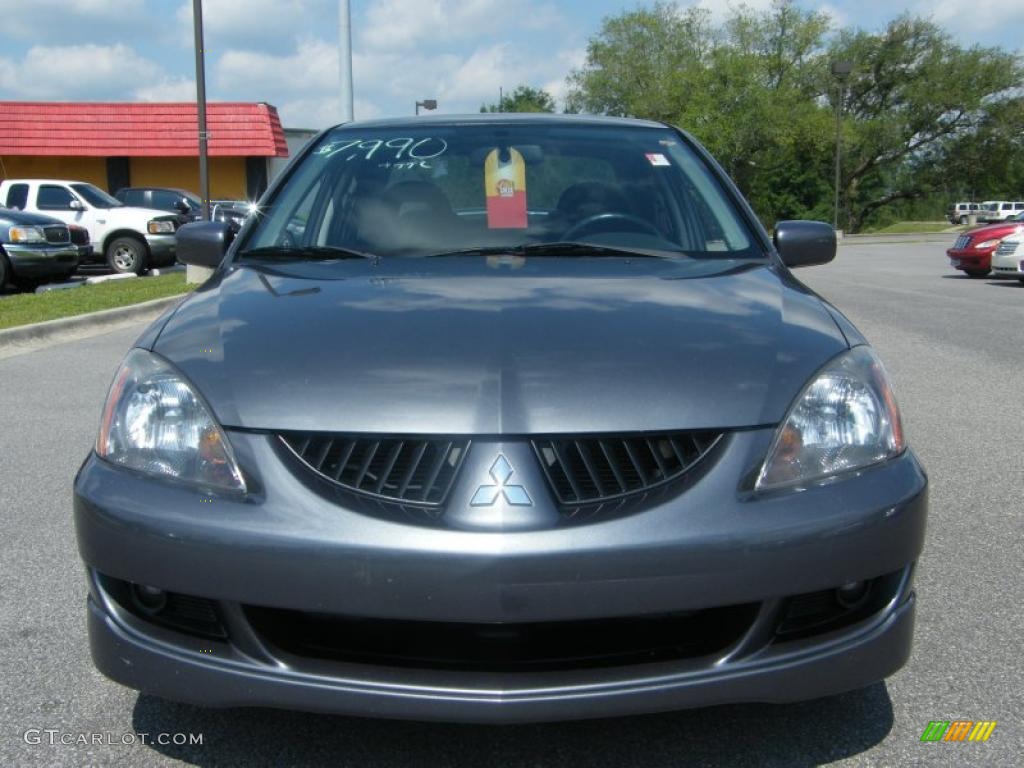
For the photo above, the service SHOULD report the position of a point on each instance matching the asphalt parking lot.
(953, 348)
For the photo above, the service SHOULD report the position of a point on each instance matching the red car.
(972, 251)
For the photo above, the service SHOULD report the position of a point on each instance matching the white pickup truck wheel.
(127, 254)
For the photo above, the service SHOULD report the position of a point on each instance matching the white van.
(1000, 210)
(957, 213)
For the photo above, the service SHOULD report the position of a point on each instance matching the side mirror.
(805, 243)
(203, 243)
(182, 206)
(76, 205)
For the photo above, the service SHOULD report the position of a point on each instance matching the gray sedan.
(501, 418)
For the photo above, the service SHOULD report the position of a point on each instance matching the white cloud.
(78, 72)
(313, 66)
(402, 24)
(69, 20)
(167, 89)
(263, 24)
(304, 82)
(973, 21)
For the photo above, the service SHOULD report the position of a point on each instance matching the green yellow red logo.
(958, 730)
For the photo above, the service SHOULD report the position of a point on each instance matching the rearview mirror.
(203, 243)
(76, 205)
(181, 206)
(805, 243)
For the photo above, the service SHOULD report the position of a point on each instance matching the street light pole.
(840, 70)
(345, 60)
(426, 104)
(204, 160)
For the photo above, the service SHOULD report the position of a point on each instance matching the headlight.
(844, 419)
(154, 421)
(158, 227)
(987, 244)
(26, 235)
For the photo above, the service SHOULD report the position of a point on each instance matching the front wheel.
(127, 254)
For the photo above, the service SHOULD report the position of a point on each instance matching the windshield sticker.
(656, 158)
(505, 186)
(398, 150)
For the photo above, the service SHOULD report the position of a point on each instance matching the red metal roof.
(138, 129)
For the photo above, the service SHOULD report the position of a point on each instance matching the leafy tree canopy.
(523, 99)
(757, 90)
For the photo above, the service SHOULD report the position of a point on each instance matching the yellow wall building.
(116, 145)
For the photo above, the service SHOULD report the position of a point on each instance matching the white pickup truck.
(130, 239)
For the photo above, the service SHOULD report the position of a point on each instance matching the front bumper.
(40, 261)
(970, 258)
(1008, 265)
(161, 248)
(286, 547)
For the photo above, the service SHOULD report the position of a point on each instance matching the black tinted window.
(132, 196)
(51, 198)
(17, 196)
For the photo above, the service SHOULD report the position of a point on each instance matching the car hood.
(996, 230)
(498, 346)
(131, 213)
(13, 217)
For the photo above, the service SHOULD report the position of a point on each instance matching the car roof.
(47, 181)
(157, 189)
(500, 118)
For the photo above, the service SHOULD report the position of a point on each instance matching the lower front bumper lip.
(845, 661)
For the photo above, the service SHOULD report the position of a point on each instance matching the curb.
(94, 322)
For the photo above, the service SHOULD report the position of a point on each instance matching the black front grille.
(414, 471)
(79, 235)
(602, 469)
(57, 234)
(504, 647)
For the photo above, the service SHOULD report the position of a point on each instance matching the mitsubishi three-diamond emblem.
(501, 472)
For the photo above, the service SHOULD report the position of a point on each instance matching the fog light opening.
(853, 593)
(149, 599)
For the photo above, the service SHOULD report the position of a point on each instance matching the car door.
(58, 201)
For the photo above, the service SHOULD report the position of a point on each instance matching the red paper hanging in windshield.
(505, 186)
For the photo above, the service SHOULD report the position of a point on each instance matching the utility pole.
(345, 60)
(204, 160)
(841, 71)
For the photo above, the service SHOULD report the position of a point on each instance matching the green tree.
(747, 90)
(523, 99)
(758, 92)
(913, 93)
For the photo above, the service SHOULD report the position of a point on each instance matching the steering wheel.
(599, 220)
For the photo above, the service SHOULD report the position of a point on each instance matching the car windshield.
(96, 197)
(480, 188)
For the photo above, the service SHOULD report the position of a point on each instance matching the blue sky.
(285, 51)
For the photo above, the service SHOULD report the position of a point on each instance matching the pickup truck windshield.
(96, 197)
(434, 189)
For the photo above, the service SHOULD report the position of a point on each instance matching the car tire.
(5, 270)
(1021, 280)
(976, 272)
(127, 254)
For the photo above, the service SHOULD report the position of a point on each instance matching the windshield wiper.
(306, 253)
(562, 248)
